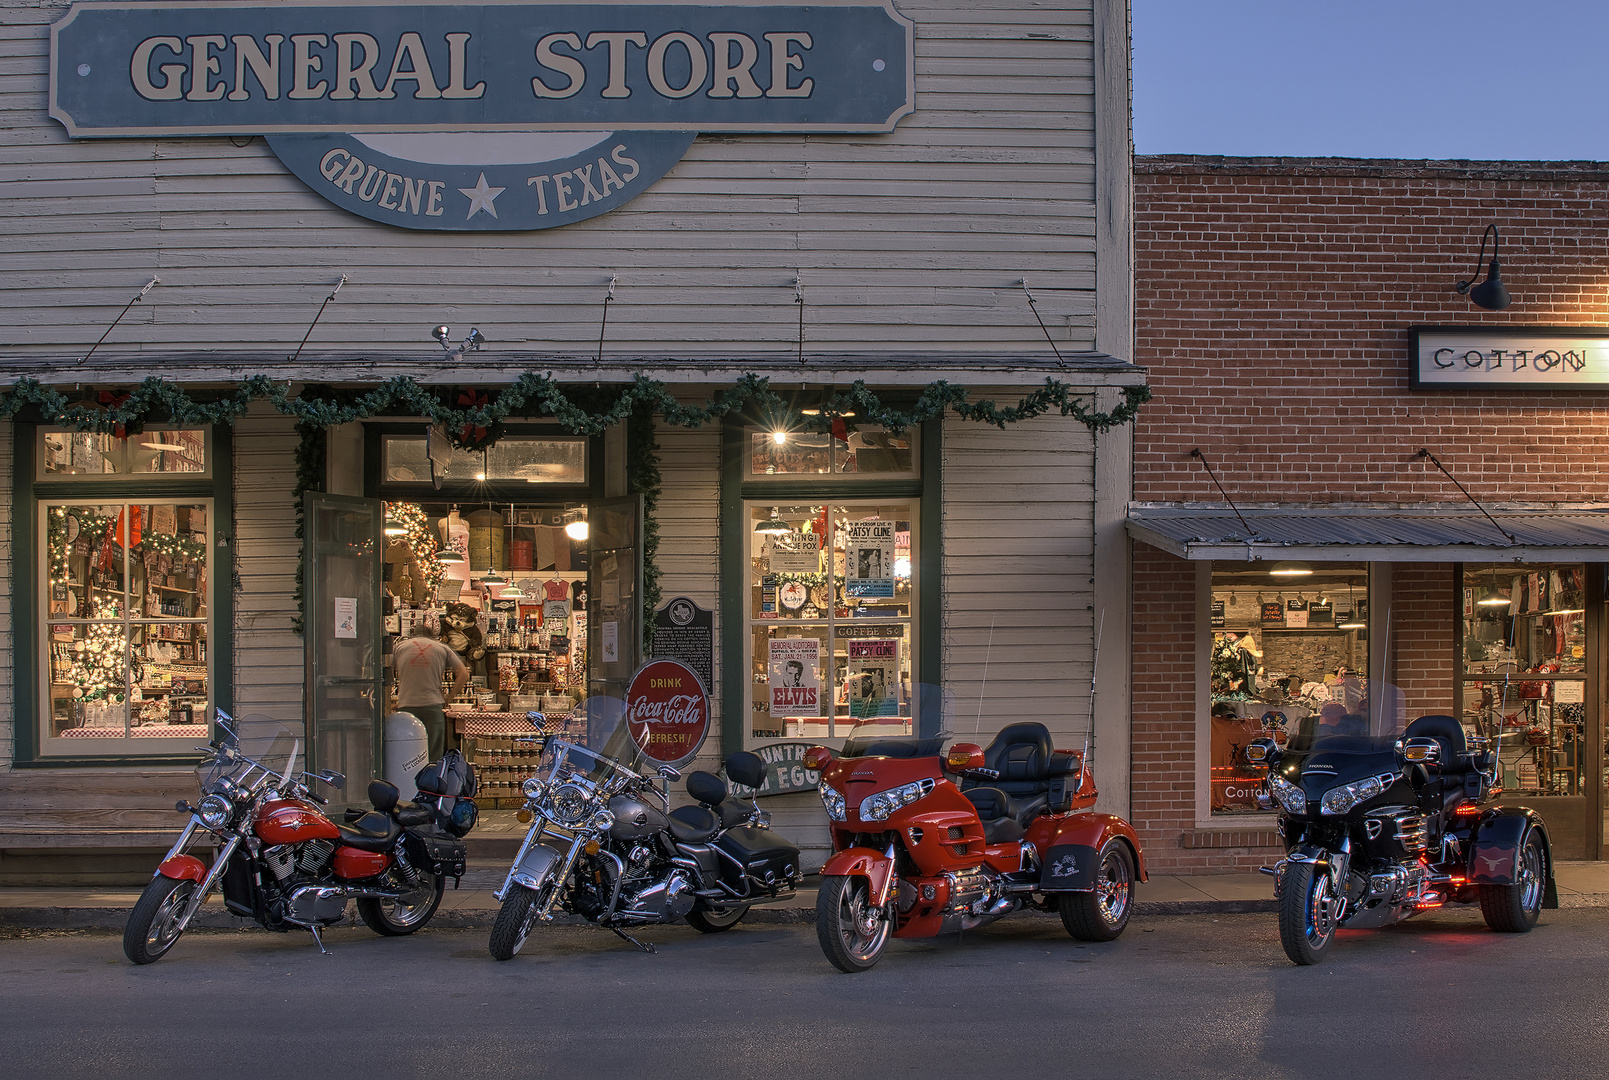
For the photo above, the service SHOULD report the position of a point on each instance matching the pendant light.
(448, 553)
(773, 526)
(1352, 622)
(1492, 597)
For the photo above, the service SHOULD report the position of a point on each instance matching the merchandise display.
(1525, 669)
(515, 612)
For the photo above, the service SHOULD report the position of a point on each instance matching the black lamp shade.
(1490, 294)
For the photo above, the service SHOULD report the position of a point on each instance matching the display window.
(90, 455)
(832, 619)
(1289, 652)
(124, 615)
(548, 459)
(1523, 663)
(867, 451)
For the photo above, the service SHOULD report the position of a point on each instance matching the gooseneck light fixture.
(1489, 294)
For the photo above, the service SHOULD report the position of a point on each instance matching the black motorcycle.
(1379, 828)
(605, 844)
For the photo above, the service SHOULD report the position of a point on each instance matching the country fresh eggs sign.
(785, 772)
(450, 116)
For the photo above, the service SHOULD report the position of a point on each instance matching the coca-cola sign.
(667, 712)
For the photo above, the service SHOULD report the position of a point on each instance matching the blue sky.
(1523, 80)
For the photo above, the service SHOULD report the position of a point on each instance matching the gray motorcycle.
(605, 844)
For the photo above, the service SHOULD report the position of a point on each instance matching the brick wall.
(1272, 303)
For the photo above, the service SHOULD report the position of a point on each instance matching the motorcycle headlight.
(215, 811)
(1289, 795)
(570, 804)
(877, 807)
(1338, 800)
(603, 820)
(533, 789)
(833, 800)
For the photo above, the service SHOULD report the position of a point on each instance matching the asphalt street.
(1177, 996)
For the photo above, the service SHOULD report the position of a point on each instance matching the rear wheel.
(153, 925)
(1514, 909)
(1103, 913)
(393, 918)
(1308, 910)
(851, 930)
(714, 920)
(514, 921)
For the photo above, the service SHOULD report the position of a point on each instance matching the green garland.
(643, 476)
(472, 417)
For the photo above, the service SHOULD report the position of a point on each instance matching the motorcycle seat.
(693, 824)
(1005, 817)
(409, 813)
(373, 831)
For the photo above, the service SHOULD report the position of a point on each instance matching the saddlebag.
(758, 854)
(441, 855)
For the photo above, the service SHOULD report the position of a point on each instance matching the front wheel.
(153, 926)
(714, 920)
(1514, 909)
(1103, 913)
(1308, 913)
(393, 918)
(514, 921)
(851, 930)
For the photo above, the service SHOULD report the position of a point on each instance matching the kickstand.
(643, 945)
(318, 940)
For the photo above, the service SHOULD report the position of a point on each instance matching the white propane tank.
(407, 750)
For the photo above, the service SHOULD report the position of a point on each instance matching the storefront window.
(125, 618)
(831, 599)
(1523, 653)
(864, 451)
(548, 460)
(1289, 650)
(89, 454)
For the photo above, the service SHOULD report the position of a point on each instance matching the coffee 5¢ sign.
(667, 712)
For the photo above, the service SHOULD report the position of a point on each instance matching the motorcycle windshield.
(243, 750)
(1361, 716)
(917, 724)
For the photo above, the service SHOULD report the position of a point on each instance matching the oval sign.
(667, 712)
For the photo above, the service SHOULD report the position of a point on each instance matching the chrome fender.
(535, 865)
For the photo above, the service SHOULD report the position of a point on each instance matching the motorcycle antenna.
(978, 726)
(1377, 723)
(1095, 665)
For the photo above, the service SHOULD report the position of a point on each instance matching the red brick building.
(1276, 307)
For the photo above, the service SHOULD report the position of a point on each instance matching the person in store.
(420, 662)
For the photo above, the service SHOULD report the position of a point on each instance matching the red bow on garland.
(471, 436)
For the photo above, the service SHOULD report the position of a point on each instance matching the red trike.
(926, 845)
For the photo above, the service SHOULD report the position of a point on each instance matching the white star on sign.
(480, 198)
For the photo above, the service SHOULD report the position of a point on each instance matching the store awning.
(1343, 533)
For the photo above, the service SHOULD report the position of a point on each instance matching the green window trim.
(27, 493)
(737, 488)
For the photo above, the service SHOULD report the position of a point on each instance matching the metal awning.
(1350, 533)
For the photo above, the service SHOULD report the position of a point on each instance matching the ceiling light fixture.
(1291, 569)
(773, 526)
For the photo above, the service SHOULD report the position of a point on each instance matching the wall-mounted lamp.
(473, 341)
(1489, 294)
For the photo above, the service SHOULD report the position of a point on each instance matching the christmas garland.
(474, 420)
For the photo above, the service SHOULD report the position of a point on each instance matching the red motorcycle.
(281, 861)
(926, 845)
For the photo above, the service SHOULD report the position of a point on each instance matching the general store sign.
(449, 116)
(1517, 358)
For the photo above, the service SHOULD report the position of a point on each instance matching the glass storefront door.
(341, 580)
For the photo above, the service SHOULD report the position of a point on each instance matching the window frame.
(30, 656)
(739, 488)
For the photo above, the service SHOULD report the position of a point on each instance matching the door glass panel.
(1524, 657)
(342, 632)
(614, 606)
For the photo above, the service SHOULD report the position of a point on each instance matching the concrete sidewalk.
(1580, 884)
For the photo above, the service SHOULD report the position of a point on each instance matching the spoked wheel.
(153, 926)
(851, 930)
(514, 921)
(1103, 913)
(393, 918)
(1309, 912)
(1514, 909)
(714, 920)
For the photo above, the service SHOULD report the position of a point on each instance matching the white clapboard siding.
(913, 239)
(8, 701)
(1018, 557)
(268, 653)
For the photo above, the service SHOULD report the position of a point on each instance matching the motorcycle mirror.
(964, 757)
(334, 779)
(817, 758)
(669, 773)
(536, 720)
